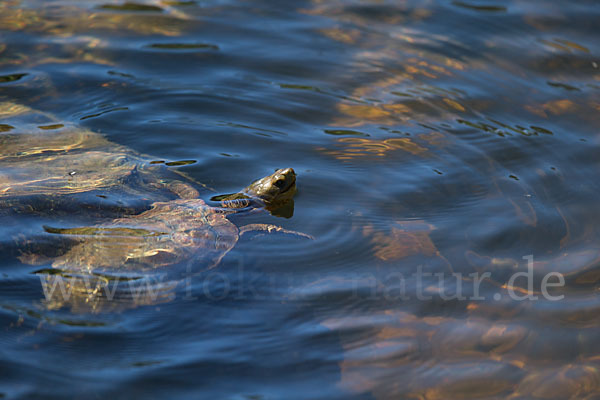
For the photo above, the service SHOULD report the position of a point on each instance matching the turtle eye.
(280, 183)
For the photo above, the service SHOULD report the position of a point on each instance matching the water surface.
(437, 144)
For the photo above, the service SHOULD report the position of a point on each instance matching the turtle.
(142, 246)
(45, 160)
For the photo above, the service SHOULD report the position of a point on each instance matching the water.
(439, 146)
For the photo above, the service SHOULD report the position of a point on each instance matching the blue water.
(439, 146)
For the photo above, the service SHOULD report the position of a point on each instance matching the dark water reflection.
(436, 143)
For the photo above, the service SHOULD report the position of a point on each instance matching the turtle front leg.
(267, 228)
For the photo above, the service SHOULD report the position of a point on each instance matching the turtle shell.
(119, 265)
(41, 157)
(168, 233)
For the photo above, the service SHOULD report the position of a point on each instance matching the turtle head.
(276, 188)
(274, 192)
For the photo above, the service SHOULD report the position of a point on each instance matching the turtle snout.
(285, 178)
(286, 172)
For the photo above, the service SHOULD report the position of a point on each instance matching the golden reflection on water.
(405, 239)
(413, 357)
(398, 83)
(430, 357)
(78, 29)
(68, 20)
(350, 148)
